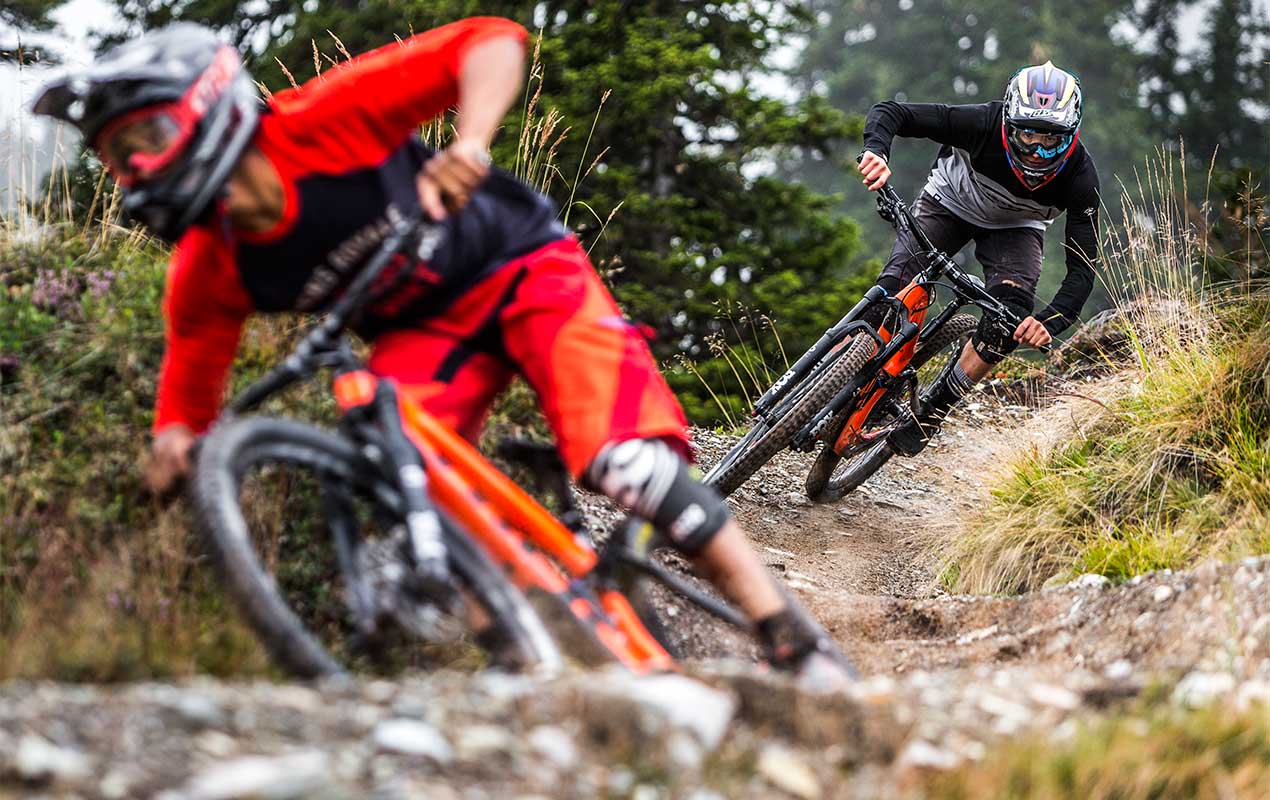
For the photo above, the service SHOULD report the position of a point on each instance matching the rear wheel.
(763, 441)
(834, 474)
(261, 491)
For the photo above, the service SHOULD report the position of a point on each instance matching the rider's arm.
(205, 307)
(1081, 248)
(965, 126)
(389, 92)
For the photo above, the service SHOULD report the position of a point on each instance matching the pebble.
(1091, 580)
(620, 781)
(554, 746)
(1054, 696)
(1118, 670)
(40, 761)
(480, 742)
(412, 737)
(117, 784)
(921, 754)
(294, 776)
(199, 711)
(788, 772)
(1162, 593)
(216, 744)
(1200, 689)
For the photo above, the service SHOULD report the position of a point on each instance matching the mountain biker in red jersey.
(275, 206)
(1006, 171)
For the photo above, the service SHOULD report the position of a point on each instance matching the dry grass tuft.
(1175, 471)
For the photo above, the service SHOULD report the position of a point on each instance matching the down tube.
(917, 299)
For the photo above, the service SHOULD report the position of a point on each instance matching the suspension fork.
(423, 524)
(819, 350)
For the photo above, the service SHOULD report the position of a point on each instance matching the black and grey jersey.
(972, 177)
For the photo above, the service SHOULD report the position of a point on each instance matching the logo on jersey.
(345, 256)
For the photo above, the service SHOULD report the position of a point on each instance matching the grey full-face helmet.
(169, 114)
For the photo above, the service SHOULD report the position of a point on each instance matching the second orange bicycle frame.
(917, 300)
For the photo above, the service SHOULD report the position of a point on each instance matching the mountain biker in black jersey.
(1007, 169)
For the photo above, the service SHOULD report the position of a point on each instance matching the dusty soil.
(861, 563)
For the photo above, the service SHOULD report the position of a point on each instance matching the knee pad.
(652, 481)
(993, 341)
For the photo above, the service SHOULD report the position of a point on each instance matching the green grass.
(1175, 471)
(1156, 754)
(97, 580)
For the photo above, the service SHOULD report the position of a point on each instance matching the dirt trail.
(864, 565)
(947, 678)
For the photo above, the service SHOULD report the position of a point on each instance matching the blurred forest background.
(702, 151)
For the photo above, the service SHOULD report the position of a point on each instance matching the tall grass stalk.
(739, 369)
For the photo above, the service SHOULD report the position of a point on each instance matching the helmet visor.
(141, 145)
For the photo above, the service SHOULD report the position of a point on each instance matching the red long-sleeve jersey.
(345, 148)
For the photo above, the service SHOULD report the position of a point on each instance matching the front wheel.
(835, 474)
(259, 491)
(763, 441)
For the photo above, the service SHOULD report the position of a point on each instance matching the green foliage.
(1176, 471)
(1207, 97)
(1155, 752)
(96, 580)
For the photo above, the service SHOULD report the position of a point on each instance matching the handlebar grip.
(1008, 317)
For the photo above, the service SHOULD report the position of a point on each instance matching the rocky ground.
(946, 677)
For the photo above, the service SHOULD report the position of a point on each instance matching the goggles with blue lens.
(1036, 147)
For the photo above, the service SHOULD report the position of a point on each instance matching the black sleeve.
(1081, 248)
(966, 127)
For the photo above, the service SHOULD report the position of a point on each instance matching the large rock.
(774, 704)
(642, 712)
(38, 760)
(295, 776)
(411, 737)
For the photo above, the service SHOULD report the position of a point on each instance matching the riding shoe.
(911, 438)
(794, 643)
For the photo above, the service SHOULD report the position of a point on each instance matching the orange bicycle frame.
(502, 517)
(917, 300)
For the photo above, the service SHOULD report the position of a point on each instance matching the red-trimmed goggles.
(142, 144)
